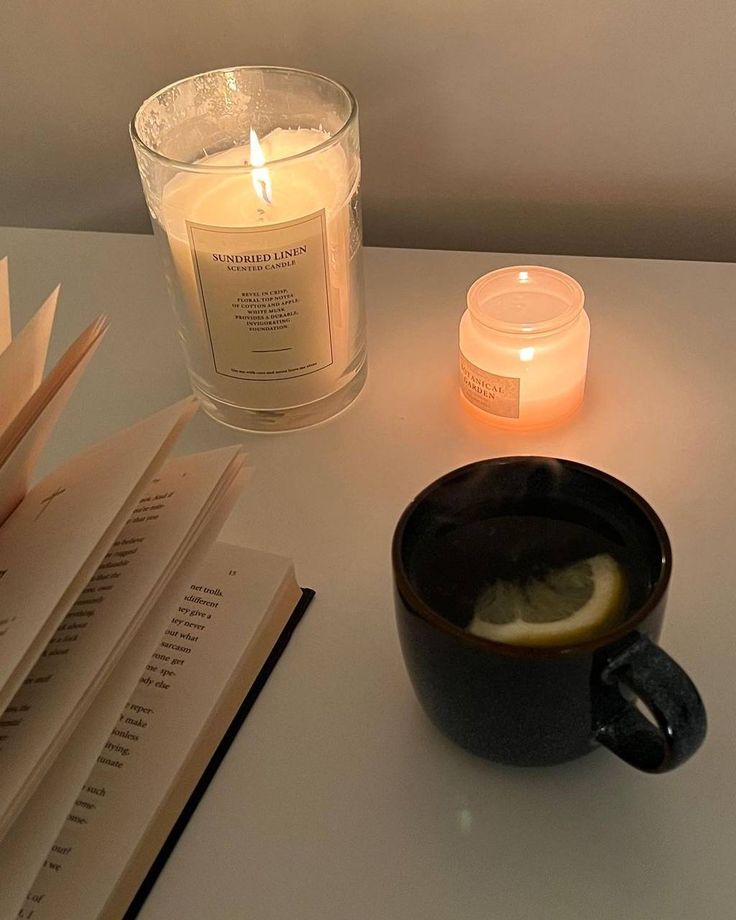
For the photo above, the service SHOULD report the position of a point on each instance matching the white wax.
(299, 187)
(229, 199)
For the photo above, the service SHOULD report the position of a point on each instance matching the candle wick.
(264, 193)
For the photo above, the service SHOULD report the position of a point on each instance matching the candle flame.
(526, 354)
(523, 276)
(260, 176)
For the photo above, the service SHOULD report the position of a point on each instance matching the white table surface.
(338, 799)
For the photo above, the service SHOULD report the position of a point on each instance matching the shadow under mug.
(531, 706)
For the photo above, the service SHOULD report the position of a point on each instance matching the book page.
(16, 431)
(55, 539)
(22, 362)
(222, 631)
(93, 635)
(25, 437)
(30, 838)
(6, 334)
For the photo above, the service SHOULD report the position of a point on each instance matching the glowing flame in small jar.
(260, 176)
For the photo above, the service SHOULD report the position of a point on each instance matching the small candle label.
(265, 296)
(490, 392)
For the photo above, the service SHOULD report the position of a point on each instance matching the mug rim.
(417, 605)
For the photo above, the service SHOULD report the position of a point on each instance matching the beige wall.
(529, 125)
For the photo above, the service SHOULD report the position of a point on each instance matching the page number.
(233, 572)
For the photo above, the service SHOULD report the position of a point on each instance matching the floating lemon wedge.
(563, 606)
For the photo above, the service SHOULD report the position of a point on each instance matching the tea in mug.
(527, 579)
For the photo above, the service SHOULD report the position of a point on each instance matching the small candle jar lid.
(525, 299)
(524, 346)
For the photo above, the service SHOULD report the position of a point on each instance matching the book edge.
(202, 784)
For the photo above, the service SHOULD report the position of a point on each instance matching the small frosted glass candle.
(524, 346)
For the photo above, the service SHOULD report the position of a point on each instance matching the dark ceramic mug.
(528, 705)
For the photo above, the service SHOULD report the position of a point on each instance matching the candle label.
(490, 392)
(265, 296)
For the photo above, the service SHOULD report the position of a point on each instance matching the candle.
(524, 347)
(261, 240)
(269, 299)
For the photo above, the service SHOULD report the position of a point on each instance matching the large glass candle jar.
(524, 347)
(252, 179)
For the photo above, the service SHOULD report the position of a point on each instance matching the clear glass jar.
(524, 347)
(252, 179)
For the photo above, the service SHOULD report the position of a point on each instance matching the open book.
(129, 637)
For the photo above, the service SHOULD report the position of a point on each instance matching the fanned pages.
(128, 582)
(30, 405)
(23, 440)
(127, 645)
(56, 538)
(30, 838)
(22, 362)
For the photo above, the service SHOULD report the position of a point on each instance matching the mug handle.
(648, 672)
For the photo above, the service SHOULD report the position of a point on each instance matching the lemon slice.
(564, 606)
